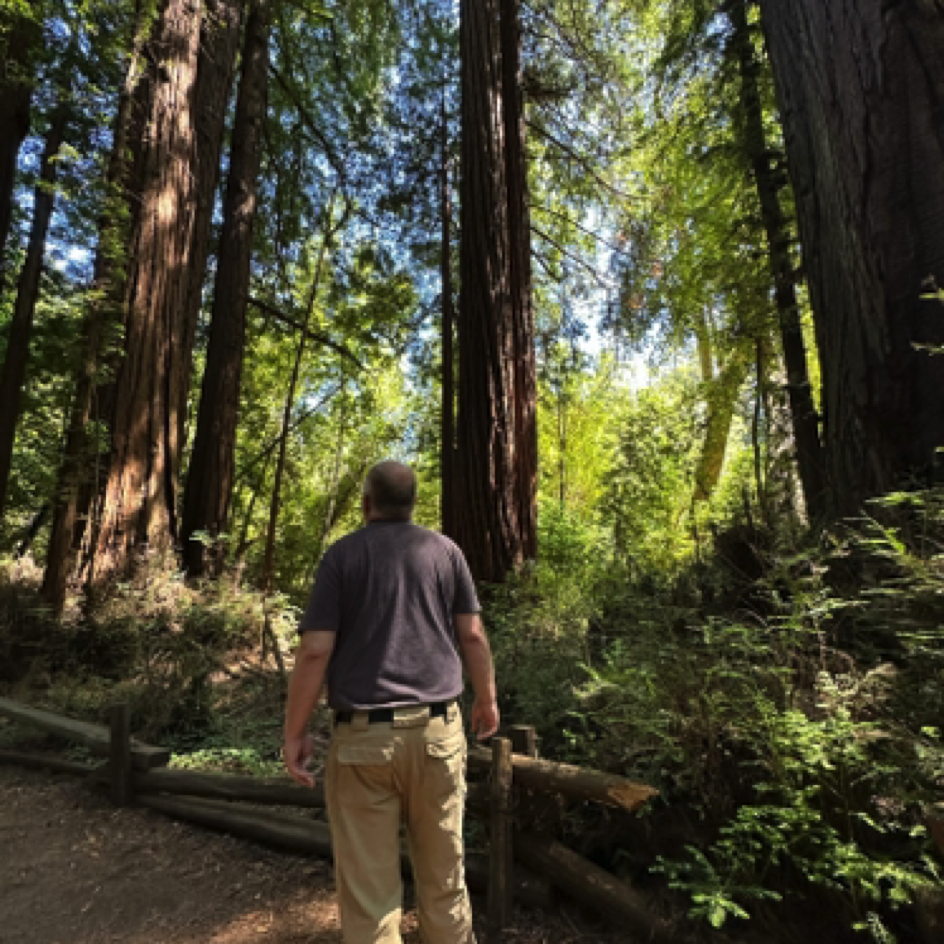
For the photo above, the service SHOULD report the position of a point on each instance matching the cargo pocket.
(446, 758)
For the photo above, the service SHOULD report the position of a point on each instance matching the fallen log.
(264, 791)
(592, 886)
(283, 831)
(54, 765)
(579, 783)
(267, 791)
(95, 737)
(287, 832)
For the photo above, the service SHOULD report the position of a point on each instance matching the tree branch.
(583, 229)
(580, 159)
(316, 336)
(566, 252)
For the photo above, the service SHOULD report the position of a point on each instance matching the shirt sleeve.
(466, 599)
(324, 604)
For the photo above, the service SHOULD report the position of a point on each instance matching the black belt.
(439, 709)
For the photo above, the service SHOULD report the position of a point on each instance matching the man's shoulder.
(438, 539)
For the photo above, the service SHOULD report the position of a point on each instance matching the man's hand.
(484, 719)
(297, 754)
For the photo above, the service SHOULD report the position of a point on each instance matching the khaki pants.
(411, 771)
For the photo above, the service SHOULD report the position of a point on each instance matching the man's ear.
(366, 505)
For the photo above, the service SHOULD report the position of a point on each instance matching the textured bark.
(497, 448)
(27, 293)
(140, 503)
(104, 313)
(448, 410)
(804, 418)
(861, 89)
(212, 465)
(216, 69)
(16, 55)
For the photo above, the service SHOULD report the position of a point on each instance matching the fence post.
(501, 869)
(119, 754)
(524, 740)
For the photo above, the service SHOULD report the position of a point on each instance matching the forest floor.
(76, 869)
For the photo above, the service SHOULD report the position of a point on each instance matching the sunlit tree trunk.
(448, 425)
(21, 327)
(861, 91)
(803, 414)
(216, 69)
(722, 397)
(212, 465)
(497, 448)
(140, 501)
(102, 317)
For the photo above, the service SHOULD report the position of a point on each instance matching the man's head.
(390, 492)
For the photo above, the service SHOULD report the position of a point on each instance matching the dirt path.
(76, 870)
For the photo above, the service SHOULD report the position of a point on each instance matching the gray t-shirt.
(390, 591)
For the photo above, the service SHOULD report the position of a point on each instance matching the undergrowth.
(794, 734)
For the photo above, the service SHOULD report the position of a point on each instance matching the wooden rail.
(510, 802)
(577, 783)
(96, 737)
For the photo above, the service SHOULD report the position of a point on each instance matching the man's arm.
(477, 657)
(311, 663)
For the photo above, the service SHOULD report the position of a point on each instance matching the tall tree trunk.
(16, 61)
(210, 476)
(216, 69)
(861, 90)
(805, 420)
(103, 315)
(525, 389)
(140, 503)
(722, 399)
(27, 294)
(496, 484)
(447, 437)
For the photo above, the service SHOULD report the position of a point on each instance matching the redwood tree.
(769, 182)
(103, 314)
(140, 501)
(216, 69)
(210, 476)
(497, 448)
(861, 91)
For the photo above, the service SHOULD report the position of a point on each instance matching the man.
(392, 609)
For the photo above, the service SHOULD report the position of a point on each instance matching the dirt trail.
(76, 870)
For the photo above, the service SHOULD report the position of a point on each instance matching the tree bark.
(498, 437)
(216, 69)
(140, 503)
(212, 465)
(861, 90)
(448, 416)
(803, 414)
(21, 327)
(103, 316)
(16, 55)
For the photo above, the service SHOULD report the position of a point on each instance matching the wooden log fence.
(519, 782)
